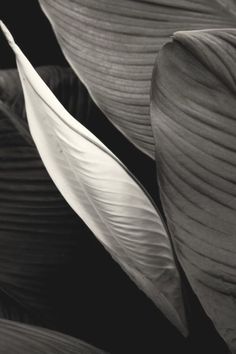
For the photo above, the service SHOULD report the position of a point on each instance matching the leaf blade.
(192, 114)
(112, 47)
(19, 338)
(101, 190)
(40, 236)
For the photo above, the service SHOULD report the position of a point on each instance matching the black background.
(103, 306)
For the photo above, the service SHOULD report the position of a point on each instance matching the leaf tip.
(7, 34)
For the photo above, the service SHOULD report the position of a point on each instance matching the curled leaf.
(112, 46)
(193, 117)
(104, 193)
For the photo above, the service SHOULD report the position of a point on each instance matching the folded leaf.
(45, 249)
(103, 192)
(112, 46)
(60, 80)
(75, 98)
(193, 116)
(40, 235)
(84, 284)
(18, 338)
(9, 84)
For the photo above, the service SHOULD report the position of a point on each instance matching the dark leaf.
(193, 116)
(18, 338)
(103, 193)
(112, 46)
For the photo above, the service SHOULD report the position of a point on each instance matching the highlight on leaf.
(193, 117)
(103, 192)
(62, 272)
(39, 233)
(112, 46)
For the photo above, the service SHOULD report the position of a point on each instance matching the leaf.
(18, 338)
(112, 46)
(59, 79)
(193, 117)
(9, 84)
(40, 235)
(69, 291)
(45, 249)
(103, 192)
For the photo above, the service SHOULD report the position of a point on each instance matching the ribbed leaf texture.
(75, 294)
(18, 338)
(112, 46)
(193, 117)
(39, 232)
(103, 192)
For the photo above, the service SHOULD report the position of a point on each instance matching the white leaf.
(103, 193)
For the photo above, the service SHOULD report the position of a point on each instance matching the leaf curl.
(71, 286)
(39, 233)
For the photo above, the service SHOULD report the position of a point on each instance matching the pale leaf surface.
(102, 191)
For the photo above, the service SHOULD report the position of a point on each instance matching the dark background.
(102, 305)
